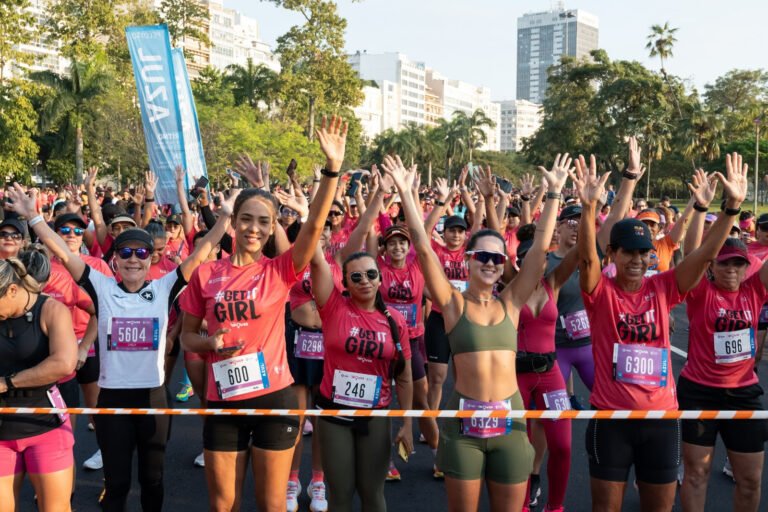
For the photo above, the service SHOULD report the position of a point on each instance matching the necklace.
(478, 298)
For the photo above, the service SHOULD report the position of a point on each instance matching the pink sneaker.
(558, 509)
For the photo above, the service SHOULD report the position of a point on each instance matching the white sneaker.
(91, 427)
(294, 489)
(200, 460)
(316, 491)
(94, 462)
(728, 470)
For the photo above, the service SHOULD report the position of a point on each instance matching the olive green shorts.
(505, 459)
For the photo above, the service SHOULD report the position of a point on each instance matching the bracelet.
(554, 195)
(699, 208)
(149, 199)
(315, 181)
(330, 174)
(8, 382)
(629, 175)
(729, 211)
(525, 198)
(35, 220)
(440, 203)
(464, 188)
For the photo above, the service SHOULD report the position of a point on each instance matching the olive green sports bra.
(467, 336)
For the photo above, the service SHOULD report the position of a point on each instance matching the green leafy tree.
(185, 18)
(81, 25)
(17, 27)
(472, 128)
(251, 84)
(451, 134)
(210, 88)
(315, 75)
(738, 97)
(18, 125)
(66, 108)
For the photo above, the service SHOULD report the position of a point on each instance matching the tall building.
(519, 119)
(46, 54)
(544, 37)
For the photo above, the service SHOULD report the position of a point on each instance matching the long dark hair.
(381, 307)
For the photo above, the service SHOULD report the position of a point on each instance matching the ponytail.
(13, 271)
(382, 308)
(37, 264)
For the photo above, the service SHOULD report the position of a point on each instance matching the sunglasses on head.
(67, 230)
(126, 252)
(334, 213)
(486, 256)
(372, 274)
(10, 235)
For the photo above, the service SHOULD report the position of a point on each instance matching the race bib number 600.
(240, 375)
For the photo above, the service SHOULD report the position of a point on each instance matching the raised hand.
(394, 167)
(333, 140)
(248, 170)
(416, 178)
(558, 174)
(316, 171)
(526, 184)
(484, 181)
(291, 201)
(74, 203)
(735, 183)
(150, 182)
(633, 162)
(90, 177)
(138, 194)
(386, 182)
(441, 185)
(703, 187)
(463, 176)
(178, 175)
(265, 167)
(23, 204)
(228, 204)
(589, 186)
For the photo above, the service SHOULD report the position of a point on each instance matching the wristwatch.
(9, 382)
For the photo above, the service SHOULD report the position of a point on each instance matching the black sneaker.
(576, 405)
(535, 491)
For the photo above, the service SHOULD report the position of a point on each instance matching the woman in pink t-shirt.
(720, 373)
(629, 318)
(243, 298)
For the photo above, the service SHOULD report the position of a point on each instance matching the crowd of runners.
(368, 285)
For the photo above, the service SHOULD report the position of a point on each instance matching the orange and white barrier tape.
(394, 413)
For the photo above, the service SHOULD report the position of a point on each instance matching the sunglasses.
(486, 256)
(126, 252)
(334, 213)
(372, 274)
(288, 211)
(67, 230)
(5, 235)
(571, 223)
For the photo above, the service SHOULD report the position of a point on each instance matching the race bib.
(240, 375)
(576, 324)
(407, 310)
(557, 400)
(638, 364)
(309, 345)
(356, 389)
(485, 427)
(764, 314)
(459, 285)
(133, 334)
(57, 401)
(734, 346)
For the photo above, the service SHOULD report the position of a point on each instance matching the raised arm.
(150, 183)
(539, 197)
(98, 219)
(26, 205)
(486, 186)
(521, 287)
(679, 229)
(466, 197)
(561, 273)
(360, 233)
(443, 193)
(690, 271)
(187, 222)
(526, 189)
(590, 188)
(322, 277)
(333, 138)
(211, 239)
(702, 193)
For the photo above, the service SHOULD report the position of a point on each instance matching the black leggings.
(119, 435)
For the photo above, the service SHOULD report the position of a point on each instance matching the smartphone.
(198, 187)
(354, 183)
(402, 451)
(234, 174)
(232, 348)
(506, 186)
(291, 168)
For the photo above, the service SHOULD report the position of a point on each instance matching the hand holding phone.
(199, 186)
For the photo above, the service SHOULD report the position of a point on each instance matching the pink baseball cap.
(733, 248)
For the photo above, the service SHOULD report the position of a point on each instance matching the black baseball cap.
(513, 211)
(454, 221)
(573, 210)
(523, 248)
(68, 217)
(630, 234)
(763, 219)
(176, 218)
(134, 235)
(397, 231)
(15, 224)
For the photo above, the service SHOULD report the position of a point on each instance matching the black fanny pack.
(535, 362)
(360, 424)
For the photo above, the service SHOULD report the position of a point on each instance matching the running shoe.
(533, 500)
(436, 473)
(422, 439)
(576, 405)
(95, 462)
(91, 427)
(294, 489)
(185, 392)
(316, 491)
(307, 431)
(200, 460)
(728, 470)
(393, 475)
(558, 509)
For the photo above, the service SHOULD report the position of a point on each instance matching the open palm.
(703, 187)
(735, 183)
(588, 184)
(558, 174)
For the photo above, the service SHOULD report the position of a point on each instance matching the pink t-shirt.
(338, 240)
(454, 266)
(177, 247)
(634, 321)
(511, 241)
(250, 301)
(161, 268)
(758, 249)
(359, 341)
(301, 292)
(712, 310)
(403, 290)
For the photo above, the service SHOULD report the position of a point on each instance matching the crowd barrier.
(394, 413)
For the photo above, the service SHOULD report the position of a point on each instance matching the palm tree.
(661, 40)
(452, 135)
(472, 126)
(656, 137)
(703, 134)
(68, 103)
(251, 83)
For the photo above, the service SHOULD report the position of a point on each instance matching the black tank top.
(24, 345)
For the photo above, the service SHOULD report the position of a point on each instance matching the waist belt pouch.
(534, 362)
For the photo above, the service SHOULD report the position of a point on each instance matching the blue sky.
(475, 40)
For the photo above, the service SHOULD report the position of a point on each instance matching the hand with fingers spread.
(178, 175)
(375, 179)
(703, 187)
(441, 185)
(558, 174)
(526, 184)
(265, 167)
(386, 182)
(74, 203)
(150, 183)
(316, 172)
(416, 178)
(463, 176)
(332, 137)
(23, 204)
(138, 194)
(292, 201)
(228, 204)
(484, 181)
(394, 167)
(90, 177)
(588, 184)
(633, 162)
(248, 170)
(735, 182)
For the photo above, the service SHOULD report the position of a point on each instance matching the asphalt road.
(185, 488)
